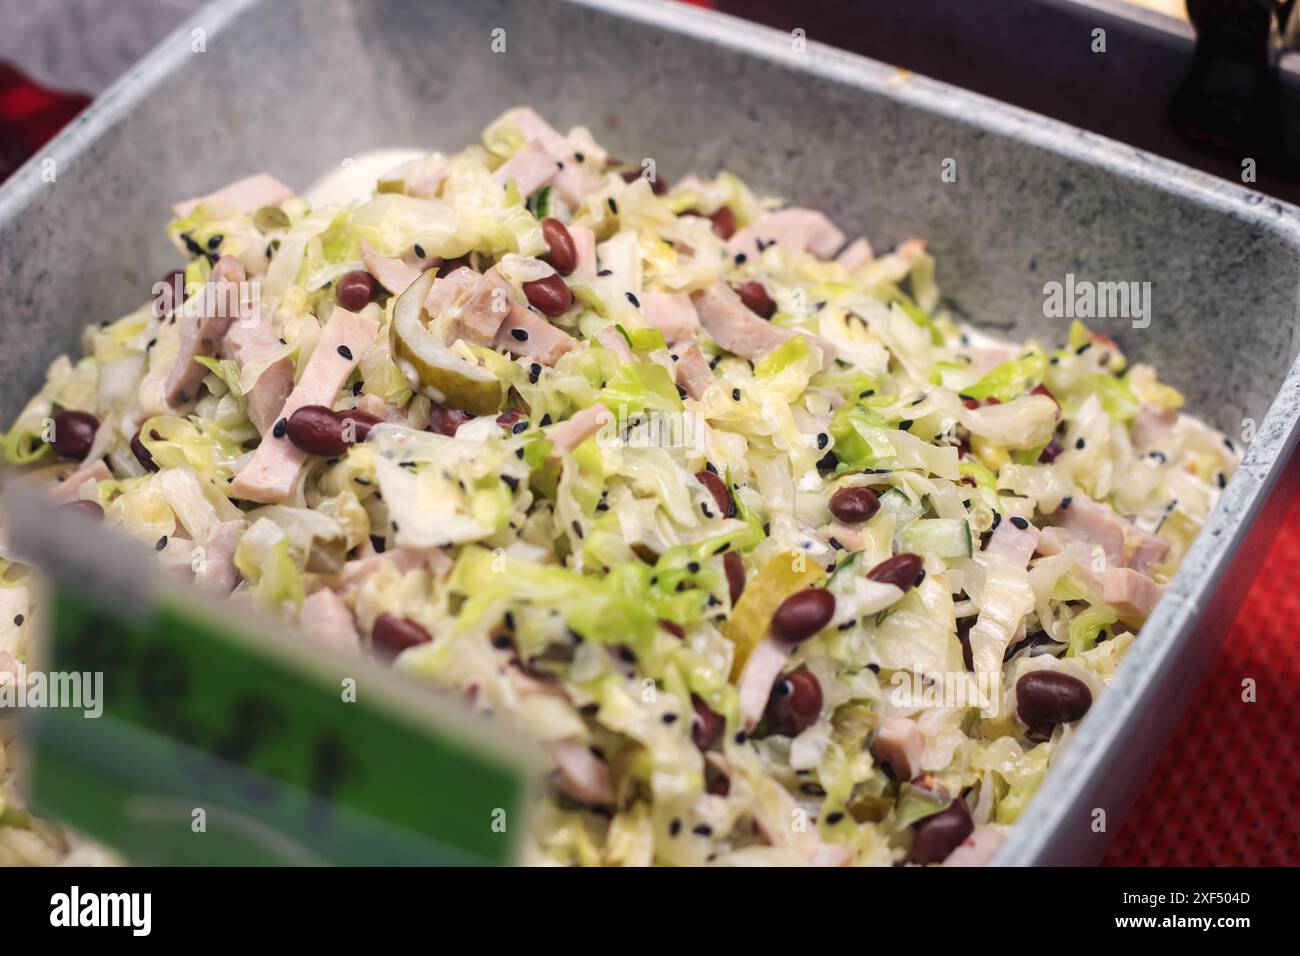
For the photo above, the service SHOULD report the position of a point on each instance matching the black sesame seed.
(1080, 443)
(1223, 479)
(633, 299)
(613, 206)
(740, 737)
(735, 394)
(519, 335)
(356, 388)
(905, 424)
(822, 440)
(997, 520)
(160, 543)
(1020, 523)
(703, 830)
(605, 272)
(345, 352)
(534, 372)
(741, 258)
(1065, 502)
(546, 420)
(215, 241)
(669, 718)
(1083, 348)
(693, 567)
(280, 426)
(833, 818)
(18, 620)
(520, 427)
(419, 251)
(675, 828)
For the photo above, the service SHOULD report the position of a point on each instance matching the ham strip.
(575, 182)
(738, 330)
(202, 329)
(612, 339)
(799, 230)
(393, 274)
(488, 305)
(216, 572)
(531, 168)
(694, 373)
(250, 340)
(244, 196)
(402, 560)
(447, 290)
(672, 313)
(582, 775)
(1152, 425)
(270, 475)
(543, 342)
(325, 618)
(1097, 524)
(69, 489)
(1015, 544)
(535, 128)
(584, 242)
(900, 744)
(572, 432)
(855, 255)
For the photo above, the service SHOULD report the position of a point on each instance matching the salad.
(779, 561)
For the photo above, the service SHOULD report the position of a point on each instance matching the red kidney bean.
(1051, 697)
(549, 295)
(718, 488)
(445, 421)
(85, 506)
(361, 421)
(355, 290)
(937, 835)
(658, 185)
(735, 568)
(74, 434)
(392, 634)
(756, 298)
(316, 430)
(724, 222)
(1051, 452)
(563, 256)
(795, 704)
(448, 266)
(854, 505)
(673, 628)
(143, 455)
(166, 301)
(901, 571)
(803, 614)
(707, 726)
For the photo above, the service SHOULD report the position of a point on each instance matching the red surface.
(1227, 788)
(1226, 791)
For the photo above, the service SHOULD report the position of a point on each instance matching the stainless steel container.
(293, 86)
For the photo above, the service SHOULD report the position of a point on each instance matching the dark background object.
(1039, 54)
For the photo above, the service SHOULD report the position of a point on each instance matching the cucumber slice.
(902, 506)
(944, 537)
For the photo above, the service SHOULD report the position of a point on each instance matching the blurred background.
(1209, 83)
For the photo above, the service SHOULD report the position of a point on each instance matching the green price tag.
(219, 743)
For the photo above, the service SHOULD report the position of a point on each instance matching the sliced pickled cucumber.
(751, 618)
(433, 369)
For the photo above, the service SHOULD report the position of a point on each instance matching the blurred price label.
(220, 743)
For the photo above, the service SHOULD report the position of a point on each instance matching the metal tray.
(293, 85)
